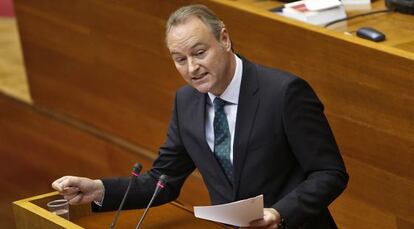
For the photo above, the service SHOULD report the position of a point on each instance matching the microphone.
(135, 172)
(160, 185)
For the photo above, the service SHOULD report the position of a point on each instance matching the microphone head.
(163, 179)
(137, 169)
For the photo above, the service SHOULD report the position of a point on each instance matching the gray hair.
(197, 10)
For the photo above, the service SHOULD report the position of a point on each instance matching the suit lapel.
(246, 113)
(198, 114)
(206, 154)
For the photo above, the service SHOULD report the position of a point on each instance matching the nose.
(193, 66)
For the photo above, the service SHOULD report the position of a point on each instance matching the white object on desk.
(356, 2)
(299, 11)
(321, 4)
(357, 5)
(239, 213)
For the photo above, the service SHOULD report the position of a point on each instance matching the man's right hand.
(79, 190)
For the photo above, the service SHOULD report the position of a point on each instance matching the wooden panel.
(37, 148)
(13, 79)
(374, 196)
(351, 212)
(160, 217)
(403, 224)
(95, 52)
(393, 153)
(108, 58)
(32, 213)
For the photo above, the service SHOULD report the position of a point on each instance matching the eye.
(200, 53)
(180, 60)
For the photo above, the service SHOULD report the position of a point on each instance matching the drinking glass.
(59, 207)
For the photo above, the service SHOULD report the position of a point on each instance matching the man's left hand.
(271, 219)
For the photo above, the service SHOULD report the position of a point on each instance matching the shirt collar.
(231, 94)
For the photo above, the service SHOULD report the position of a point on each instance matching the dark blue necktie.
(222, 138)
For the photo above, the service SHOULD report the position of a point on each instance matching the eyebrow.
(192, 47)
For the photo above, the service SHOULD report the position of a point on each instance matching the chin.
(202, 89)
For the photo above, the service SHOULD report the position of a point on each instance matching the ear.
(225, 39)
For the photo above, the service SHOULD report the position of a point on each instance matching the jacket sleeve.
(172, 161)
(315, 149)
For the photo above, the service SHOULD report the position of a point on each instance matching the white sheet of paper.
(239, 213)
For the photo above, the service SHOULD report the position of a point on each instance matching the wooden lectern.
(32, 213)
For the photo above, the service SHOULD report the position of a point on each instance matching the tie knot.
(219, 104)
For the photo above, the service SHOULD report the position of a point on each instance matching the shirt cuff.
(100, 202)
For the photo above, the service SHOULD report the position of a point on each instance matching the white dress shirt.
(230, 95)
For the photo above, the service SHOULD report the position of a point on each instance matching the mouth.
(199, 77)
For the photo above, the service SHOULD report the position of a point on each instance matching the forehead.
(188, 34)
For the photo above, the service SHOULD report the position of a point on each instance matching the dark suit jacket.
(283, 148)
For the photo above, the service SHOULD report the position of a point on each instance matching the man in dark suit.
(249, 130)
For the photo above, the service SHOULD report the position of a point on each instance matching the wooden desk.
(399, 28)
(170, 215)
(32, 213)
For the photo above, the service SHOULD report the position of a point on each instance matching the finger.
(57, 184)
(258, 223)
(76, 199)
(64, 181)
(266, 221)
(69, 190)
(69, 197)
(69, 183)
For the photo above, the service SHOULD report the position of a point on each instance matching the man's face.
(202, 60)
